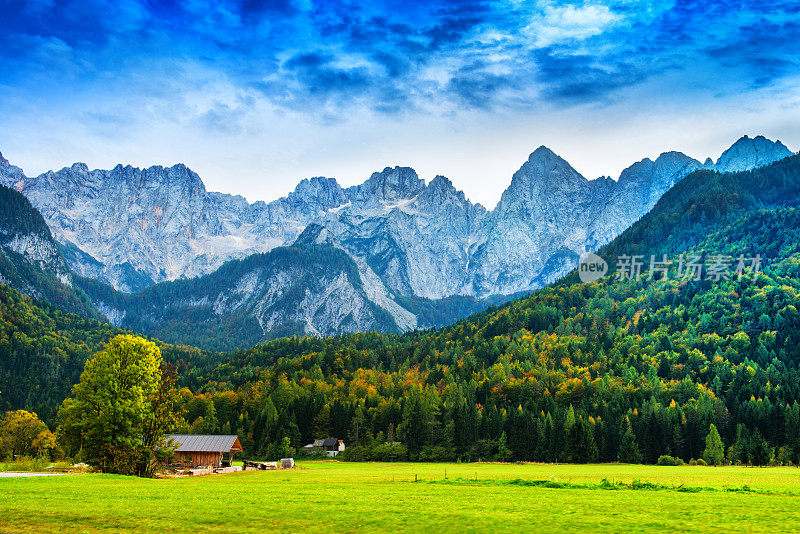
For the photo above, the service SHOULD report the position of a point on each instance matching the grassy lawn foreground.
(367, 497)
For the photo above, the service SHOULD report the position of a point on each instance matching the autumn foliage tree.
(23, 434)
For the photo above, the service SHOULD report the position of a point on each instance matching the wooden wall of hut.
(197, 459)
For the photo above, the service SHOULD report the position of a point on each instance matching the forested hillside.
(43, 349)
(31, 260)
(560, 375)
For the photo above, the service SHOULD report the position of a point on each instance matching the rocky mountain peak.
(748, 153)
(542, 153)
(10, 175)
(440, 191)
(389, 185)
(80, 168)
(441, 186)
(319, 190)
(543, 173)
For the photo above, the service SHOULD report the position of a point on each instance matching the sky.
(256, 95)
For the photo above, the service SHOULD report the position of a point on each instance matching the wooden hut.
(195, 450)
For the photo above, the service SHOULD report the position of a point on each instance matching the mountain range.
(573, 372)
(157, 252)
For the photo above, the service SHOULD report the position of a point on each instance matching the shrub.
(666, 459)
(378, 453)
(700, 461)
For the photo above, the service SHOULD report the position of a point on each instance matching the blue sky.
(257, 95)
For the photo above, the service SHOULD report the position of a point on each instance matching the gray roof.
(203, 442)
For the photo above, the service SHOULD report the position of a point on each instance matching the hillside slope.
(31, 260)
(288, 291)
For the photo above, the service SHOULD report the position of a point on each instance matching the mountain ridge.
(407, 239)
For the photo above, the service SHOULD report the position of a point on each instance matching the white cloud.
(559, 24)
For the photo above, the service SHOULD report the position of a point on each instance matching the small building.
(332, 446)
(327, 447)
(195, 450)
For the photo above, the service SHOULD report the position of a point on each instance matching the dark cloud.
(767, 51)
(581, 78)
(321, 79)
(475, 87)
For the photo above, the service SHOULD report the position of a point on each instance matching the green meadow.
(367, 497)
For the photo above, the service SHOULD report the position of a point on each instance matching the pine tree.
(715, 449)
(628, 448)
(580, 442)
(504, 454)
(759, 449)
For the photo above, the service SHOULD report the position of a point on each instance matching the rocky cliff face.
(134, 227)
(313, 289)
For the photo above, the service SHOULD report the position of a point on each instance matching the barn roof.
(330, 442)
(206, 443)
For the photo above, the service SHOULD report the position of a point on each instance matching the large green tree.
(121, 407)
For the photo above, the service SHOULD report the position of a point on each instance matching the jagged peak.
(546, 164)
(748, 153)
(320, 189)
(392, 183)
(316, 182)
(543, 156)
(441, 183)
(673, 154)
(80, 167)
(441, 188)
(542, 153)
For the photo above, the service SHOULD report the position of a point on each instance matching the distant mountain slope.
(305, 289)
(288, 291)
(30, 259)
(705, 202)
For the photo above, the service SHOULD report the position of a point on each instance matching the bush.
(666, 459)
(437, 454)
(700, 461)
(378, 453)
(692, 462)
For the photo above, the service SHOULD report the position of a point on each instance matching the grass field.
(351, 497)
